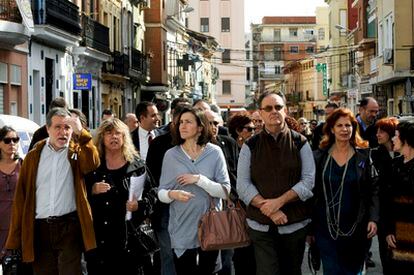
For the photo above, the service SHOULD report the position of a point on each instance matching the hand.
(391, 241)
(180, 195)
(74, 122)
(310, 239)
(271, 206)
(279, 218)
(372, 229)
(186, 179)
(132, 206)
(100, 187)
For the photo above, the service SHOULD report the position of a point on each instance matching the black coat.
(367, 185)
(109, 210)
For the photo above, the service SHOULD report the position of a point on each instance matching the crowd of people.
(69, 206)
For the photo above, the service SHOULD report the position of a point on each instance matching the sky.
(254, 10)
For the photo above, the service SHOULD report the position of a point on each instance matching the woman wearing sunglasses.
(241, 128)
(9, 171)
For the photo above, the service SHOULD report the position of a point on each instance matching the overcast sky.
(256, 9)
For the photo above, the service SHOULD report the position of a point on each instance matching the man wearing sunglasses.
(51, 218)
(275, 178)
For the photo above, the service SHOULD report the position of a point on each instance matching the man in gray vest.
(275, 178)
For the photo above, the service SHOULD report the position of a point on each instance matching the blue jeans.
(166, 253)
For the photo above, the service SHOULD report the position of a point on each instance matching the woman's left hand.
(132, 206)
(372, 229)
(186, 179)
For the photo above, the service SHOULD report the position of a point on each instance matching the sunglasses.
(249, 129)
(269, 108)
(215, 123)
(7, 140)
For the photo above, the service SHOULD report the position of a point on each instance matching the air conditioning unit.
(388, 56)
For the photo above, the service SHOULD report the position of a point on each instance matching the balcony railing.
(59, 13)
(118, 64)
(9, 11)
(271, 75)
(95, 35)
(140, 62)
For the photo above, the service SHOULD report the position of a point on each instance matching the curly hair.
(128, 148)
(329, 138)
(236, 123)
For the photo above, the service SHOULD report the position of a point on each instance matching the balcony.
(140, 62)
(57, 22)
(12, 30)
(95, 35)
(117, 64)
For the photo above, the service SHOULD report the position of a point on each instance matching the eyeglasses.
(215, 123)
(257, 121)
(7, 140)
(249, 129)
(269, 108)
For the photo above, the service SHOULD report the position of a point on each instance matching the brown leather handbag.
(225, 229)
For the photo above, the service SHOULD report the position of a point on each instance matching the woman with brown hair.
(382, 157)
(346, 195)
(194, 172)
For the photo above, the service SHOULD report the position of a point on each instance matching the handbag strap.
(228, 202)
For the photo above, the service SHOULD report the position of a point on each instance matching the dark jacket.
(231, 152)
(369, 134)
(38, 135)
(135, 137)
(317, 136)
(367, 185)
(109, 210)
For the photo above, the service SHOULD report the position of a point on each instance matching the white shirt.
(143, 141)
(55, 190)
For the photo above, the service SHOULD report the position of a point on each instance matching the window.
(225, 56)
(204, 24)
(293, 32)
(277, 54)
(343, 22)
(276, 35)
(248, 74)
(15, 77)
(3, 73)
(225, 24)
(380, 39)
(294, 49)
(277, 69)
(309, 49)
(321, 34)
(226, 87)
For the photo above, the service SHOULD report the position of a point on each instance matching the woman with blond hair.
(108, 193)
(346, 195)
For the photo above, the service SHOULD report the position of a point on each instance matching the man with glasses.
(275, 178)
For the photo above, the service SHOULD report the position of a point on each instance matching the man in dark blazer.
(147, 115)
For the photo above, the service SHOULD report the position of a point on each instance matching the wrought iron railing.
(9, 11)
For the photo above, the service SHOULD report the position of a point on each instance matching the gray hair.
(58, 111)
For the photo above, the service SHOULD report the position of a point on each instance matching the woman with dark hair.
(108, 194)
(382, 157)
(346, 196)
(399, 219)
(241, 127)
(194, 172)
(9, 171)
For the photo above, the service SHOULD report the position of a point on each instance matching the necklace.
(333, 206)
(193, 154)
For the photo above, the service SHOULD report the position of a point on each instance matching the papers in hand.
(136, 187)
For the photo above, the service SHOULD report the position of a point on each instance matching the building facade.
(224, 20)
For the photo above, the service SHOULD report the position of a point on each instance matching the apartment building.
(14, 48)
(224, 20)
